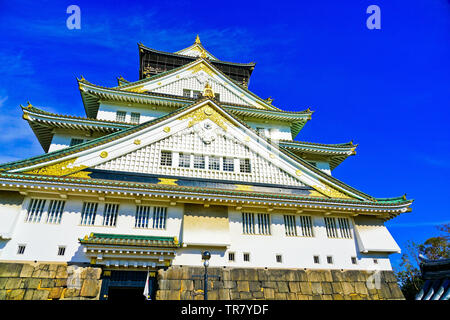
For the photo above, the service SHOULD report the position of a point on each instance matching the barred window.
(230, 256)
(263, 223)
(187, 93)
(354, 261)
(35, 210)
(135, 117)
(110, 214)
(55, 210)
(159, 217)
(245, 165)
(21, 249)
(290, 225)
(214, 163)
(88, 213)
(121, 116)
(184, 160)
(279, 258)
(329, 259)
(316, 259)
(143, 216)
(228, 164)
(306, 227)
(199, 162)
(252, 226)
(166, 158)
(61, 250)
(261, 132)
(330, 224)
(344, 228)
(75, 141)
(246, 257)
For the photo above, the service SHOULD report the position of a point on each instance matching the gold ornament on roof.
(208, 91)
(197, 40)
(203, 54)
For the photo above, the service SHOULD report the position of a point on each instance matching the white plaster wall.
(273, 130)
(108, 112)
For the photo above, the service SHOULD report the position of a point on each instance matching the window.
(251, 226)
(35, 210)
(289, 225)
(306, 226)
(142, 217)
(61, 250)
(186, 93)
(344, 228)
(135, 117)
(375, 261)
(120, 116)
(88, 213)
(261, 132)
(110, 214)
(217, 96)
(247, 257)
(354, 261)
(228, 164)
(330, 225)
(184, 160)
(214, 163)
(166, 158)
(230, 256)
(196, 94)
(279, 258)
(263, 223)
(159, 217)
(21, 249)
(329, 259)
(75, 141)
(55, 210)
(316, 259)
(245, 165)
(332, 228)
(199, 162)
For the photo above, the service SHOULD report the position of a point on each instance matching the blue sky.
(387, 90)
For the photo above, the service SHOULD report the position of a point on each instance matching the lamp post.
(206, 255)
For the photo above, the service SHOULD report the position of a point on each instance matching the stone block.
(91, 273)
(187, 285)
(27, 271)
(2, 295)
(292, 296)
(395, 291)
(258, 295)
(186, 295)
(41, 294)
(243, 286)
(254, 286)
(55, 293)
(3, 282)
(277, 275)
(291, 275)
(354, 276)
(315, 275)
(316, 288)
(227, 284)
(70, 293)
(360, 287)
(337, 296)
(336, 287)
(13, 283)
(327, 297)
(269, 293)
(15, 294)
(251, 274)
(347, 288)
(174, 284)
(28, 294)
(61, 272)
(198, 285)
(269, 284)
(316, 297)
(226, 275)
(60, 282)
(327, 288)
(337, 275)
(245, 295)
(280, 296)
(305, 288)
(301, 275)
(303, 297)
(234, 295)
(238, 274)
(216, 284)
(47, 283)
(388, 276)
(10, 270)
(224, 294)
(263, 275)
(163, 284)
(90, 288)
(294, 286)
(282, 287)
(384, 292)
(213, 294)
(31, 283)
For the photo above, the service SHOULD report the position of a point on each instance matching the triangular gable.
(196, 50)
(194, 76)
(73, 161)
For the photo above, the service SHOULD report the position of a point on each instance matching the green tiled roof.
(133, 240)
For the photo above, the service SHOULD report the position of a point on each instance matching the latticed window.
(184, 160)
(61, 250)
(159, 217)
(246, 257)
(289, 225)
(344, 228)
(110, 214)
(55, 210)
(245, 165)
(21, 249)
(35, 210)
(231, 256)
(187, 93)
(121, 116)
(306, 226)
(330, 224)
(214, 163)
(279, 258)
(228, 164)
(329, 259)
(150, 217)
(166, 158)
(88, 213)
(196, 94)
(199, 162)
(75, 141)
(135, 117)
(258, 225)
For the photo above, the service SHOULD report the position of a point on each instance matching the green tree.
(409, 275)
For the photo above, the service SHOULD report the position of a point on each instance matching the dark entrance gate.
(126, 285)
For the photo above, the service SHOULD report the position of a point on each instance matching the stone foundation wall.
(41, 281)
(176, 283)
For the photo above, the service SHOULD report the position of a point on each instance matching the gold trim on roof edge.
(62, 169)
(206, 112)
